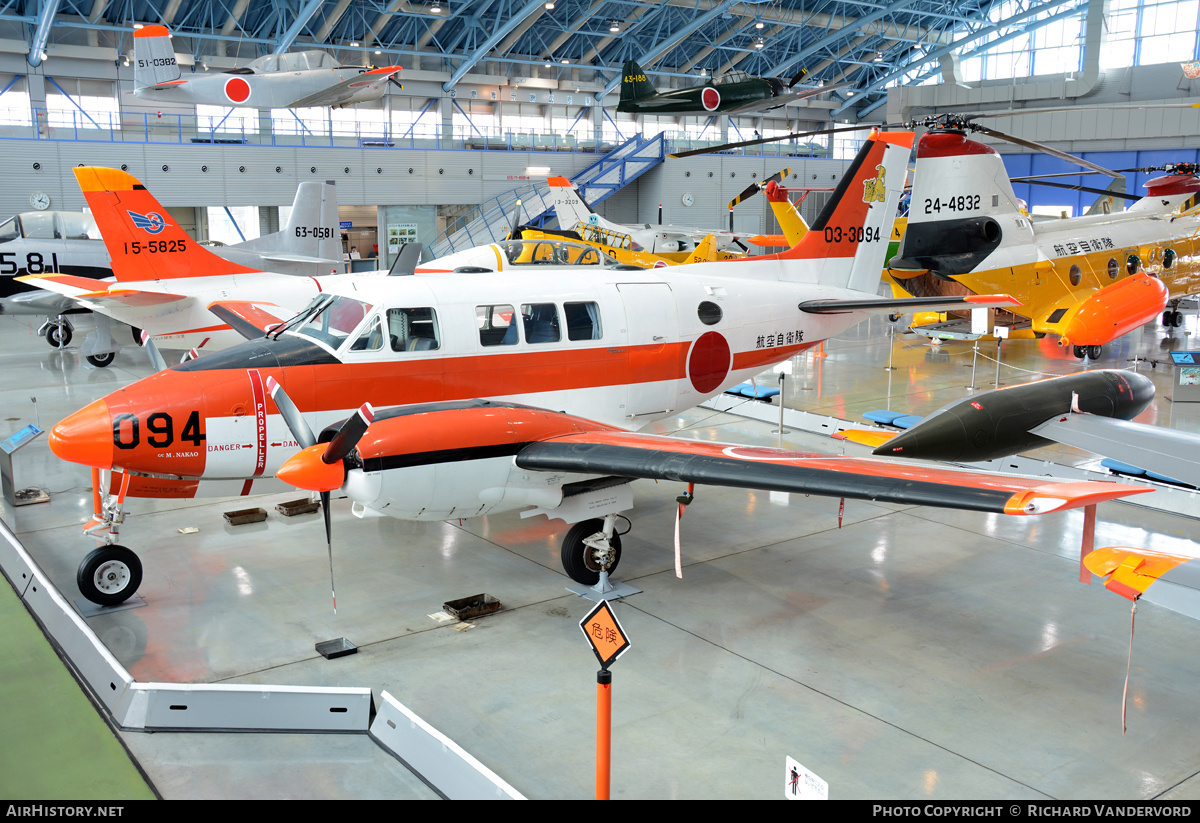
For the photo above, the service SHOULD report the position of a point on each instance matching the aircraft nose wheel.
(101, 360)
(58, 336)
(109, 575)
(586, 552)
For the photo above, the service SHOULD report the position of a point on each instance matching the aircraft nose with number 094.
(520, 389)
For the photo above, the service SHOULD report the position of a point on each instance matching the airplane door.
(652, 327)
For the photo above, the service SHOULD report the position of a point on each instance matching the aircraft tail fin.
(634, 83)
(312, 226)
(569, 206)
(962, 205)
(142, 238)
(791, 224)
(850, 236)
(705, 251)
(153, 57)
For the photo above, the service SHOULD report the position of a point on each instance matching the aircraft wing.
(250, 319)
(1168, 452)
(1129, 572)
(907, 304)
(372, 80)
(36, 302)
(719, 464)
(783, 99)
(99, 294)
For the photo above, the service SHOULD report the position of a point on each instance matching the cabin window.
(541, 323)
(330, 320)
(75, 225)
(1075, 275)
(371, 339)
(1113, 268)
(39, 226)
(1168, 258)
(1133, 264)
(496, 326)
(583, 321)
(413, 329)
(709, 313)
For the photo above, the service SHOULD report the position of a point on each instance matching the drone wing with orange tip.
(864, 478)
(867, 437)
(1129, 572)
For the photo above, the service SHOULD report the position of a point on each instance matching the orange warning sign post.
(609, 641)
(604, 634)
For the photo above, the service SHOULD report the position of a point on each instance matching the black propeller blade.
(291, 415)
(755, 188)
(349, 434)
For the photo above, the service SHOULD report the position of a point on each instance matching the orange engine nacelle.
(1115, 310)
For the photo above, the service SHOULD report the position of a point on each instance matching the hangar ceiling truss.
(869, 45)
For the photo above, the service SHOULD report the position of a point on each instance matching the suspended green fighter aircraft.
(728, 94)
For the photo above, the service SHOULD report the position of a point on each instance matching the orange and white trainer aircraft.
(1084, 279)
(520, 389)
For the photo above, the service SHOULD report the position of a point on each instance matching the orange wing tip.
(1131, 571)
(308, 471)
(152, 31)
(1055, 496)
(866, 437)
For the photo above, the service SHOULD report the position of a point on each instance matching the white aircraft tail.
(570, 208)
(962, 206)
(311, 232)
(850, 237)
(153, 57)
(1169, 194)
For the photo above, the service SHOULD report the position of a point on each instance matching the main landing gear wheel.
(583, 563)
(58, 337)
(1172, 319)
(101, 360)
(109, 575)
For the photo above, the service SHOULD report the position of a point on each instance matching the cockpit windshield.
(731, 77)
(9, 230)
(329, 319)
(546, 252)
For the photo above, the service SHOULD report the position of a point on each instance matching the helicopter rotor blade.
(761, 140)
(1030, 144)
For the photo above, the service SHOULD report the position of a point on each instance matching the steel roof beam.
(986, 30)
(302, 17)
(488, 44)
(671, 42)
(331, 19)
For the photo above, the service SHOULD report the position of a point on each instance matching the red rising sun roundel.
(237, 90)
(708, 362)
(710, 98)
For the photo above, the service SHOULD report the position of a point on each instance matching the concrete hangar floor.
(911, 653)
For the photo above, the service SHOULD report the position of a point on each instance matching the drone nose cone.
(1141, 394)
(308, 471)
(86, 437)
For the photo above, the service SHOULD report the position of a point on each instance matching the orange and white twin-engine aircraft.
(520, 388)
(1083, 279)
